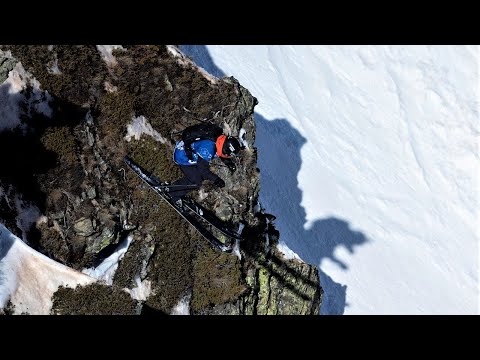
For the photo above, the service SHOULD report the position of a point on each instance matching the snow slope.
(13, 103)
(369, 159)
(28, 279)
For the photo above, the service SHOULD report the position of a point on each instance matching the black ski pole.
(168, 188)
(219, 165)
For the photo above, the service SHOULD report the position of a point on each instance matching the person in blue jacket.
(194, 159)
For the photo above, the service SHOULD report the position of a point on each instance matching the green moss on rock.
(51, 243)
(61, 141)
(154, 157)
(170, 266)
(217, 280)
(115, 112)
(93, 299)
(133, 262)
(82, 69)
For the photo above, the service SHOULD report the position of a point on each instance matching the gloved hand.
(189, 154)
(219, 183)
(231, 166)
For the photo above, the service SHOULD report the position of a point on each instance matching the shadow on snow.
(279, 160)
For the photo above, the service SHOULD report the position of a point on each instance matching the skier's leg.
(191, 177)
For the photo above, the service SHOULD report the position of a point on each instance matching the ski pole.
(168, 188)
(219, 165)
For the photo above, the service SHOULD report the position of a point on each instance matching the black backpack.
(200, 132)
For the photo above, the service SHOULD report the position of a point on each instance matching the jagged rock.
(103, 166)
(97, 173)
(91, 193)
(57, 215)
(90, 139)
(96, 244)
(106, 198)
(123, 215)
(224, 211)
(168, 84)
(224, 309)
(287, 287)
(113, 209)
(83, 227)
(6, 65)
(77, 201)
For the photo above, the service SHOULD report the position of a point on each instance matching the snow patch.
(236, 249)
(142, 291)
(202, 194)
(106, 269)
(183, 306)
(288, 253)
(109, 87)
(54, 69)
(106, 53)
(139, 126)
(242, 135)
(19, 79)
(28, 214)
(9, 105)
(13, 101)
(183, 60)
(28, 279)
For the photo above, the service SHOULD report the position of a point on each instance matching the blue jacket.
(206, 149)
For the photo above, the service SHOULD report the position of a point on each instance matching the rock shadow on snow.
(279, 156)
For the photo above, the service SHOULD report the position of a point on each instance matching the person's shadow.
(279, 161)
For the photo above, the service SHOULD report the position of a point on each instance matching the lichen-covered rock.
(83, 227)
(287, 287)
(217, 281)
(6, 65)
(91, 192)
(96, 244)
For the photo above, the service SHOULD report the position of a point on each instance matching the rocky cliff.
(80, 110)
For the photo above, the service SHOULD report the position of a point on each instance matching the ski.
(192, 205)
(211, 219)
(156, 186)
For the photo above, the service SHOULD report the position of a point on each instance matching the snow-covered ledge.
(29, 279)
(183, 60)
(139, 126)
(106, 53)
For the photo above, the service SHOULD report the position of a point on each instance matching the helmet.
(227, 146)
(231, 146)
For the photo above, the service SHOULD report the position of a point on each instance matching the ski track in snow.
(376, 150)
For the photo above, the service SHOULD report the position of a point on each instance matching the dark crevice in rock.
(256, 291)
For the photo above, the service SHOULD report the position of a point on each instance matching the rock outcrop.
(136, 105)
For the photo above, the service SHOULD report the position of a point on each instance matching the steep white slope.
(369, 158)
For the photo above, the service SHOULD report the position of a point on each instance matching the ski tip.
(226, 249)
